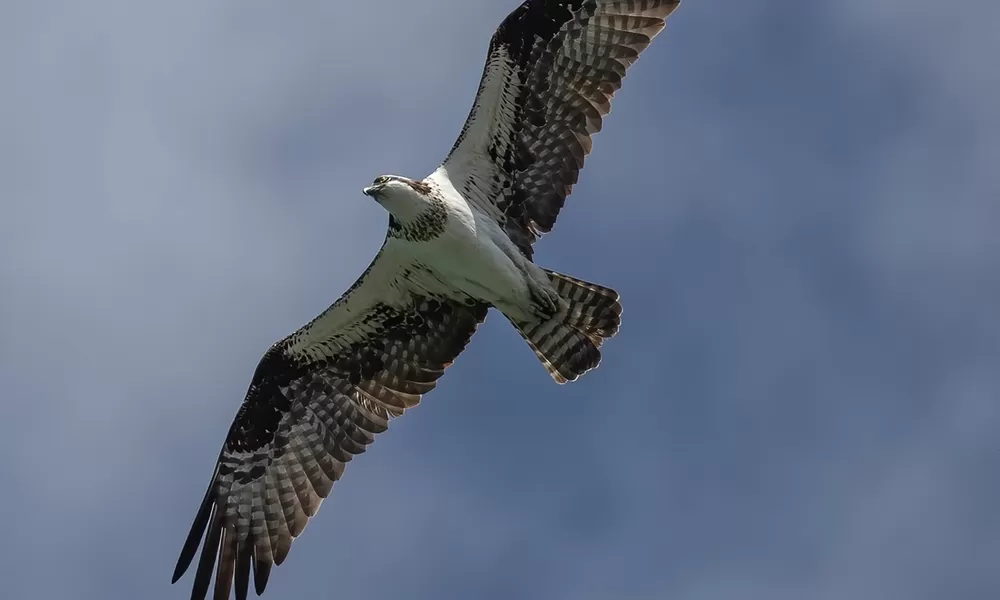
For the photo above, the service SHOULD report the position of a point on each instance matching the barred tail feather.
(568, 343)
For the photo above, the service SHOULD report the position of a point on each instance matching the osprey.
(458, 242)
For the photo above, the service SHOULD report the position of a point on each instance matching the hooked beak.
(371, 190)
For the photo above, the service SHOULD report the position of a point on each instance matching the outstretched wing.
(318, 398)
(552, 68)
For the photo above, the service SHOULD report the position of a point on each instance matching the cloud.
(795, 202)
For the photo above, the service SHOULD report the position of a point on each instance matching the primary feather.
(458, 243)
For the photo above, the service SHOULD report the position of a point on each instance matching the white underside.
(475, 257)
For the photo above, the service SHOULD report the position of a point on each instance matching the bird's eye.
(382, 180)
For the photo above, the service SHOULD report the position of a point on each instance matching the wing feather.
(552, 69)
(320, 396)
(317, 399)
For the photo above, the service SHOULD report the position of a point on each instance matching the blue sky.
(797, 201)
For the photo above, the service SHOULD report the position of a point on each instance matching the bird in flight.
(459, 242)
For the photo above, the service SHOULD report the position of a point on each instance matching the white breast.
(470, 254)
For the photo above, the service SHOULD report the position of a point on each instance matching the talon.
(546, 301)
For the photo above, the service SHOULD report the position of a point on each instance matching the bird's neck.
(419, 224)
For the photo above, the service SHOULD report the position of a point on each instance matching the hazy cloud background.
(799, 203)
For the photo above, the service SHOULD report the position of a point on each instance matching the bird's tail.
(568, 342)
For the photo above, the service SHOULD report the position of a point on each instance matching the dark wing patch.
(305, 416)
(552, 69)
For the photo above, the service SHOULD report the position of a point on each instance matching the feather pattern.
(318, 398)
(552, 69)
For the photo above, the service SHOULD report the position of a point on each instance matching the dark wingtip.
(195, 534)
(261, 571)
(242, 570)
(209, 553)
(179, 571)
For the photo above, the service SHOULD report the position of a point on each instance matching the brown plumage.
(553, 68)
(321, 396)
(315, 402)
(568, 343)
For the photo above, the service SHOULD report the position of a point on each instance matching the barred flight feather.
(568, 343)
(320, 396)
(317, 399)
(552, 68)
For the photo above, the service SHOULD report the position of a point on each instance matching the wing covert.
(552, 69)
(317, 398)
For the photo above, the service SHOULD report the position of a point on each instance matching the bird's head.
(403, 197)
